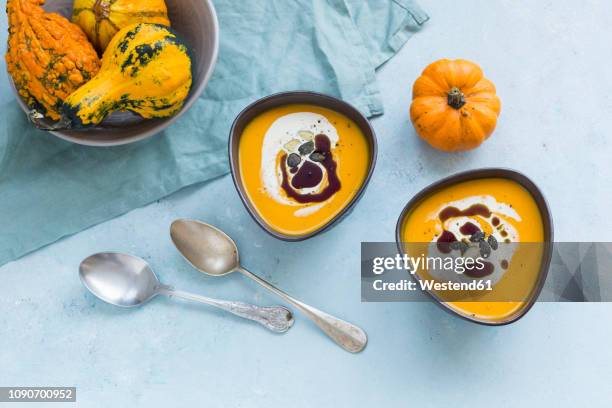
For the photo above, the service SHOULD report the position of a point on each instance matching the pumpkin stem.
(101, 9)
(456, 98)
(38, 120)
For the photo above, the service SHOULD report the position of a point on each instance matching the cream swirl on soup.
(297, 164)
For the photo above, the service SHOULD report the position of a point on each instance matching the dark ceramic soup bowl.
(289, 98)
(547, 222)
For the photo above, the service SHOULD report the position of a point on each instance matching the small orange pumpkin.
(454, 107)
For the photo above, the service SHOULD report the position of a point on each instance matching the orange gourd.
(454, 106)
(48, 57)
(102, 19)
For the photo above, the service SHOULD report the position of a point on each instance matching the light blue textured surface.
(266, 46)
(551, 65)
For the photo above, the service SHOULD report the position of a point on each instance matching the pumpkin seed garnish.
(485, 249)
(294, 160)
(477, 236)
(306, 135)
(317, 156)
(455, 245)
(306, 148)
(459, 246)
(493, 242)
(292, 145)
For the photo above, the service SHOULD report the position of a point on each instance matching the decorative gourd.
(102, 19)
(48, 57)
(454, 106)
(146, 69)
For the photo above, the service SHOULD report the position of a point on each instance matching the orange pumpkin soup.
(301, 165)
(489, 214)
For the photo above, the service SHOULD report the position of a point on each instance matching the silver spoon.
(128, 281)
(211, 251)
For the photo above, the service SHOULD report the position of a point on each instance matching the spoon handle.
(346, 335)
(277, 318)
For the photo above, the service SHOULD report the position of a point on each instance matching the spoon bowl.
(119, 279)
(206, 248)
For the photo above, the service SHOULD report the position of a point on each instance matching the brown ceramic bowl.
(547, 221)
(195, 21)
(297, 97)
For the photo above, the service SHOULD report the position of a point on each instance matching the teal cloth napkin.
(50, 188)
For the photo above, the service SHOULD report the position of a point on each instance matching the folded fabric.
(50, 188)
